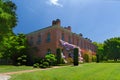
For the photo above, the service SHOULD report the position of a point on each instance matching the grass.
(91, 71)
(112, 61)
(10, 68)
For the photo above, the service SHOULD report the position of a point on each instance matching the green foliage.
(13, 46)
(100, 51)
(1, 55)
(58, 56)
(93, 58)
(36, 65)
(112, 48)
(22, 60)
(19, 64)
(8, 18)
(86, 57)
(44, 65)
(8, 21)
(97, 58)
(76, 61)
(51, 59)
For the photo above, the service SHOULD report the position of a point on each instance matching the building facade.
(49, 38)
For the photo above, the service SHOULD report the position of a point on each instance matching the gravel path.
(5, 77)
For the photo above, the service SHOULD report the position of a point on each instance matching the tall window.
(80, 44)
(39, 39)
(48, 37)
(63, 36)
(77, 42)
(69, 39)
(31, 41)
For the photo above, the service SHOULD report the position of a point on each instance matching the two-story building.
(49, 38)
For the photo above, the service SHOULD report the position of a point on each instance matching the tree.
(76, 62)
(112, 48)
(100, 51)
(97, 58)
(14, 46)
(8, 18)
(58, 56)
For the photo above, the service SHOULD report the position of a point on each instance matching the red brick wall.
(56, 34)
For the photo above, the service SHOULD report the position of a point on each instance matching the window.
(49, 51)
(31, 41)
(81, 45)
(63, 36)
(48, 37)
(77, 42)
(69, 39)
(39, 39)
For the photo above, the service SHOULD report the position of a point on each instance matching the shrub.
(69, 60)
(86, 57)
(22, 60)
(38, 60)
(48, 61)
(76, 62)
(44, 65)
(97, 58)
(51, 59)
(18, 64)
(36, 65)
(93, 58)
(58, 56)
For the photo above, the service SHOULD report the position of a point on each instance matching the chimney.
(56, 22)
(53, 22)
(69, 28)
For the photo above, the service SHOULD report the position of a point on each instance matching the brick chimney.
(69, 28)
(53, 22)
(56, 22)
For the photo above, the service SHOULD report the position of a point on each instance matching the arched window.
(48, 37)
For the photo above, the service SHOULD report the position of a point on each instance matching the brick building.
(49, 38)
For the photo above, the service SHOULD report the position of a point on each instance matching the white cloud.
(55, 2)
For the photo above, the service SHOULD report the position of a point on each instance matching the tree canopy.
(109, 50)
(112, 48)
(100, 50)
(13, 46)
(8, 18)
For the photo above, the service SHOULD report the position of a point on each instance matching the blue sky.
(95, 19)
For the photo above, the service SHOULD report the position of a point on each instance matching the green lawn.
(91, 71)
(10, 68)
